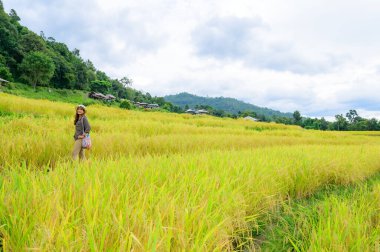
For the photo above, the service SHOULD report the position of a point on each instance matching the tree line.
(351, 121)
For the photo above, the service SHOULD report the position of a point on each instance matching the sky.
(319, 57)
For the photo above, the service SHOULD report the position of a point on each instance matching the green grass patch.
(52, 94)
(336, 218)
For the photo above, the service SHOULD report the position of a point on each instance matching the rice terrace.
(177, 182)
(210, 159)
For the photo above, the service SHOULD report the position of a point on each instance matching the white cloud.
(319, 57)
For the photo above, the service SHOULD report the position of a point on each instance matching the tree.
(37, 68)
(81, 74)
(310, 123)
(353, 116)
(373, 124)
(64, 74)
(4, 70)
(324, 124)
(102, 76)
(42, 35)
(247, 113)
(100, 86)
(218, 112)
(341, 122)
(90, 65)
(297, 117)
(31, 42)
(51, 39)
(360, 125)
(126, 81)
(1, 5)
(159, 100)
(5, 73)
(282, 119)
(14, 16)
(76, 52)
(168, 106)
(119, 90)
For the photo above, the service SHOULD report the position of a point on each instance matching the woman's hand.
(81, 136)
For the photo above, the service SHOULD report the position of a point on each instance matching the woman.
(82, 127)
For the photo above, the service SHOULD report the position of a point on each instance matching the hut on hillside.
(152, 106)
(197, 112)
(202, 112)
(141, 104)
(190, 111)
(250, 118)
(109, 97)
(146, 105)
(98, 96)
(3, 81)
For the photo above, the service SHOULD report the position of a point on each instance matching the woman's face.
(80, 111)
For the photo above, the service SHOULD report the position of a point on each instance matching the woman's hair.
(76, 113)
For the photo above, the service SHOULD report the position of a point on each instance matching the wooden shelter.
(3, 81)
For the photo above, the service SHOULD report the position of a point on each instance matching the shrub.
(125, 104)
(88, 103)
(10, 85)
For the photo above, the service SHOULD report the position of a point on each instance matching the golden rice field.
(159, 181)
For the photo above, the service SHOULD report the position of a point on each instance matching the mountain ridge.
(228, 104)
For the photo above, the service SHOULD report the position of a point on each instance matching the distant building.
(98, 96)
(146, 105)
(191, 111)
(110, 97)
(250, 118)
(202, 111)
(140, 104)
(196, 112)
(152, 106)
(3, 81)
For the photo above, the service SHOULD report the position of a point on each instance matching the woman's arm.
(86, 125)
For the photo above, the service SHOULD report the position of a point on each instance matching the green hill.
(230, 105)
(53, 70)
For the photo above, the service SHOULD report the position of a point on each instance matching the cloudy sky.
(320, 57)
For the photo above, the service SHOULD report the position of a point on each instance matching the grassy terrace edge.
(334, 218)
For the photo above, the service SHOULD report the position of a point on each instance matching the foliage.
(297, 117)
(125, 81)
(125, 104)
(352, 122)
(247, 113)
(101, 86)
(37, 68)
(5, 73)
(353, 116)
(14, 15)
